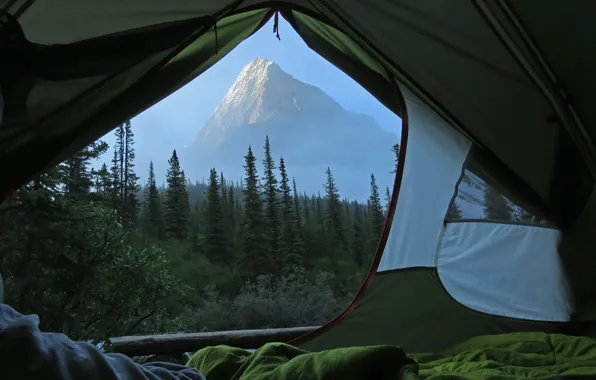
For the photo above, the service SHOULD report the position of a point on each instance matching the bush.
(268, 302)
(71, 263)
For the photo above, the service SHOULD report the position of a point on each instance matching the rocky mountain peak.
(262, 92)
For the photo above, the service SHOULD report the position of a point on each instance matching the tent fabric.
(491, 79)
(433, 147)
(410, 307)
(505, 269)
(453, 56)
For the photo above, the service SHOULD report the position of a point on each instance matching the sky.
(173, 122)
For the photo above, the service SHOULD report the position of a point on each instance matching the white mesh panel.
(434, 158)
(505, 269)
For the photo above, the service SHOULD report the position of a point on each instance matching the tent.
(497, 87)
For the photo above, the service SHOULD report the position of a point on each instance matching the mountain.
(305, 126)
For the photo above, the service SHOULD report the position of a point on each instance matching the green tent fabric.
(500, 74)
(476, 63)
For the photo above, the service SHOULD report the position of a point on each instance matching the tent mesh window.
(475, 199)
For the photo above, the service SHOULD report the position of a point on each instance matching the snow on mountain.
(305, 126)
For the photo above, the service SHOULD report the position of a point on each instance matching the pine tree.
(216, 243)
(376, 209)
(297, 208)
(387, 200)
(298, 223)
(333, 214)
(153, 217)
(306, 207)
(177, 207)
(103, 183)
(358, 246)
(496, 207)
(395, 150)
(287, 247)
(272, 217)
(255, 259)
(118, 162)
(77, 176)
(130, 187)
(115, 183)
(453, 212)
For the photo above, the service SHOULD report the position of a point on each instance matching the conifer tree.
(333, 213)
(177, 207)
(130, 187)
(298, 222)
(453, 212)
(216, 242)
(288, 247)
(272, 217)
(76, 172)
(103, 183)
(395, 150)
(255, 259)
(115, 183)
(376, 209)
(496, 207)
(387, 200)
(297, 208)
(358, 245)
(153, 217)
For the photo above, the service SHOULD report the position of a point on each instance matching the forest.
(96, 254)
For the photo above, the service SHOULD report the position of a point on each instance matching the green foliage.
(453, 212)
(153, 222)
(290, 248)
(395, 150)
(215, 241)
(297, 299)
(334, 227)
(272, 214)
(255, 258)
(245, 255)
(69, 262)
(177, 207)
(376, 209)
(496, 206)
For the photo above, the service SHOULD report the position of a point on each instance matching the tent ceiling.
(451, 54)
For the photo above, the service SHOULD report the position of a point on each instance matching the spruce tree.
(358, 245)
(395, 150)
(216, 243)
(270, 195)
(153, 217)
(287, 246)
(306, 207)
(118, 162)
(255, 259)
(297, 208)
(115, 183)
(453, 212)
(298, 223)
(102, 183)
(376, 209)
(496, 207)
(130, 187)
(78, 177)
(333, 213)
(387, 200)
(177, 207)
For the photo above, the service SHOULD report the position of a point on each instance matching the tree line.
(97, 254)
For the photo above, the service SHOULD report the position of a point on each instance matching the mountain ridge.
(306, 126)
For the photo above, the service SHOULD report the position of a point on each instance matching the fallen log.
(177, 343)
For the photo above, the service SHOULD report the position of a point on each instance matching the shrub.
(269, 302)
